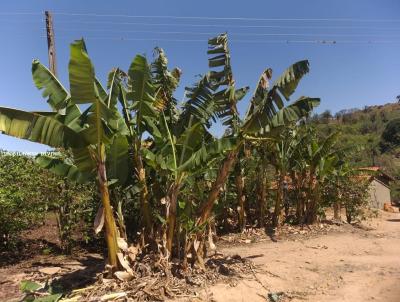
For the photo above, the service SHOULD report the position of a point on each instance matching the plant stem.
(110, 227)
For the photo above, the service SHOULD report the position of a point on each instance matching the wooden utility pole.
(51, 43)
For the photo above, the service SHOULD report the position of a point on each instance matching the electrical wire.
(203, 25)
(204, 17)
(236, 34)
(232, 41)
(18, 13)
(225, 25)
(225, 18)
(245, 41)
(329, 36)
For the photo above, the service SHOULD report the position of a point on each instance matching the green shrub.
(355, 199)
(28, 192)
(25, 195)
(350, 191)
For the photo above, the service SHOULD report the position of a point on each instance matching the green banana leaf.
(39, 129)
(81, 75)
(268, 102)
(288, 81)
(262, 121)
(63, 168)
(142, 91)
(208, 152)
(58, 96)
(118, 160)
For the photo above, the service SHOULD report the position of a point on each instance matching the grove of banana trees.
(134, 139)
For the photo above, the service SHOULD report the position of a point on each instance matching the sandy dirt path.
(351, 266)
(347, 264)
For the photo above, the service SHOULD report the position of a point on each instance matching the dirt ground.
(356, 265)
(336, 263)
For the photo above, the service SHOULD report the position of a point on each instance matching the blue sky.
(362, 68)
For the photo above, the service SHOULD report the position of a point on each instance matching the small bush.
(25, 195)
(28, 192)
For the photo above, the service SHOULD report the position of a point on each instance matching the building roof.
(378, 173)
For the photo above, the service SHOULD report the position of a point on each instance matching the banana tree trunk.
(109, 222)
(336, 210)
(222, 176)
(262, 194)
(241, 198)
(310, 198)
(296, 181)
(278, 203)
(144, 192)
(171, 219)
(301, 197)
(299, 209)
(314, 201)
(337, 206)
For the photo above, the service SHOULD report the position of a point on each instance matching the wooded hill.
(376, 129)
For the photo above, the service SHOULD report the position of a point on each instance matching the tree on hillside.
(391, 135)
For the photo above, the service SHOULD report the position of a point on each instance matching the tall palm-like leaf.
(199, 105)
(267, 103)
(58, 96)
(214, 95)
(38, 128)
(165, 82)
(227, 97)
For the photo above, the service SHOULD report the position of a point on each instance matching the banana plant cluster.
(133, 133)
(302, 163)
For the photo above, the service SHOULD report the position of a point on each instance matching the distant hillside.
(365, 127)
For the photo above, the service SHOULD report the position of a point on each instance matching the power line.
(246, 41)
(206, 25)
(18, 13)
(204, 17)
(235, 34)
(225, 25)
(243, 34)
(316, 41)
(226, 18)
(320, 36)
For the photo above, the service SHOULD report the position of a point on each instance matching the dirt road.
(349, 267)
(347, 264)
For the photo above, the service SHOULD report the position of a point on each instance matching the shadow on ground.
(27, 250)
(91, 267)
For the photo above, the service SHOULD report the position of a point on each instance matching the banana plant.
(180, 144)
(87, 136)
(138, 101)
(260, 153)
(181, 156)
(320, 157)
(266, 115)
(283, 150)
(148, 91)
